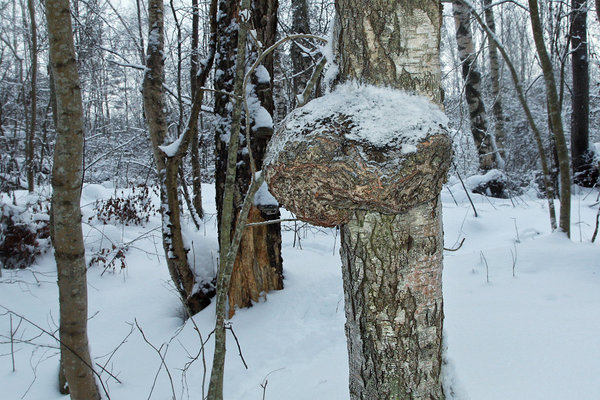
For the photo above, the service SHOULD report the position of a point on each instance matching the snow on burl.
(358, 147)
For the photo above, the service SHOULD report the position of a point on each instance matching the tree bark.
(67, 176)
(231, 19)
(536, 132)
(394, 307)
(580, 100)
(195, 142)
(497, 109)
(392, 263)
(32, 121)
(555, 117)
(194, 298)
(484, 142)
(258, 267)
(301, 62)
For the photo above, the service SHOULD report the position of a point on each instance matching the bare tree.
(67, 176)
(555, 118)
(258, 267)
(580, 99)
(168, 154)
(495, 77)
(489, 157)
(30, 150)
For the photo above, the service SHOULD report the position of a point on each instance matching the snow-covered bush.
(24, 234)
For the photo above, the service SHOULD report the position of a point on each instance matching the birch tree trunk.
(497, 109)
(301, 61)
(67, 176)
(392, 264)
(484, 142)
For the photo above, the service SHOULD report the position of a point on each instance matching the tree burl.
(358, 148)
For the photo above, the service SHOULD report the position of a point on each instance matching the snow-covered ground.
(522, 312)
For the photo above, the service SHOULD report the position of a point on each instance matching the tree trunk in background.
(195, 144)
(580, 100)
(67, 235)
(30, 163)
(258, 267)
(555, 118)
(497, 108)
(301, 61)
(140, 31)
(182, 275)
(392, 264)
(484, 142)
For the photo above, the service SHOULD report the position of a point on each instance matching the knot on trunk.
(358, 148)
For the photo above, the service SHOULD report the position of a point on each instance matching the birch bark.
(392, 263)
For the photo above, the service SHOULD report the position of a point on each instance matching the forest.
(299, 199)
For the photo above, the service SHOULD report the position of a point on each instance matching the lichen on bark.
(394, 307)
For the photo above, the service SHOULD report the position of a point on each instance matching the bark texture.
(580, 100)
(484, 142)
(194, 297)
(497, 109)
(67, 177)
(555, 119)
(195, 141)
(392, 256)
(393, 293)
(33, 96)
(394, 335)
(258, 267)
(323, 175)
(301, 61)
(390, 43)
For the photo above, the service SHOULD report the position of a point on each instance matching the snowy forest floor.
(522, 312)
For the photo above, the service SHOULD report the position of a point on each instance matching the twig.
(597, 223)
(12, 344)
(230, 327)
(456, 248)
(63, 345)
(514, 259)
(111, 375)
(452, 194)
(465, 188)
(162, 361)
(517, 231)
(274, 221)
(487, 269)
(117, 348)
(264, 386)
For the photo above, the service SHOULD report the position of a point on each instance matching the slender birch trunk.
(497, 109)
(484, 142)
